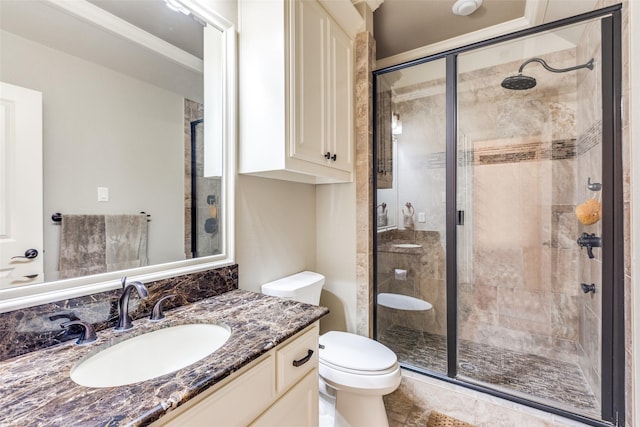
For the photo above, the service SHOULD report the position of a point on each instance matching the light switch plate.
(103, 194)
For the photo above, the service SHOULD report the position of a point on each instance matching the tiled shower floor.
(542, 379)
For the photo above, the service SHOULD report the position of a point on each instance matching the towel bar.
(57, 217)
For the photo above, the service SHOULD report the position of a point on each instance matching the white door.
(20, 186)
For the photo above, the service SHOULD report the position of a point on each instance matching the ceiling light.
(465, 7)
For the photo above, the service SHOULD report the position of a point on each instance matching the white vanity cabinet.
(299, 407)
(296, 92)
(280, 388)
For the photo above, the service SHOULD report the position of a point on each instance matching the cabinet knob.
(328, 156)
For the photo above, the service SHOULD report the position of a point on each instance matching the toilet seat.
(354, 353)
(330, 365)
(355, 363)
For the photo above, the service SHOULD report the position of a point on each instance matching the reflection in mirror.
(125, 131)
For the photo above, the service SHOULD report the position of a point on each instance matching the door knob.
(29, 254)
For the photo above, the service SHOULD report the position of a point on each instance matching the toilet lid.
(355, 352)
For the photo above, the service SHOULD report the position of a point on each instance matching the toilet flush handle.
(304, 360)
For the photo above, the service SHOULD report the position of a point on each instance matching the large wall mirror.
(133, 102)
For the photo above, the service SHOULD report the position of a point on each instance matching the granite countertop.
(36, 389)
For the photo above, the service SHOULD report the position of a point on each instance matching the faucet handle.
(88, 332)
(156, 313)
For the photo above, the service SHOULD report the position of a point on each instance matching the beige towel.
(126, 241)
(82, 246)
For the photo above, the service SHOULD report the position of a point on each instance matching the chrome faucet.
(124, 320)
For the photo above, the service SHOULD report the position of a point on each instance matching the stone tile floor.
(538, 378)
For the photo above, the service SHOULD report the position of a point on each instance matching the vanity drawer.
(297, 358)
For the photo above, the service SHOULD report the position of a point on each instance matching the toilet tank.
(304, 287)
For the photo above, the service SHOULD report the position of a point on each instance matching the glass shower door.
(411, 309)
(530, 164)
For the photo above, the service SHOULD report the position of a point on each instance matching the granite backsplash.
(33, 328)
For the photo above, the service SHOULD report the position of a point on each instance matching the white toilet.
(354, 370)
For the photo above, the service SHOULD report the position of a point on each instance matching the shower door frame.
(612, 336)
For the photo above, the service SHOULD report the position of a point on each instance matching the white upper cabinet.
(296, 92)
(341, 115)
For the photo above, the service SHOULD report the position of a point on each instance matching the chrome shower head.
(519, 82)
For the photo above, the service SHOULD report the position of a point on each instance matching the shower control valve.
(589, 241)
(586, 288)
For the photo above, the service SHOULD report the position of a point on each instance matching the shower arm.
(588, 65)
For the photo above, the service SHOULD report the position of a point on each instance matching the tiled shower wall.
(521, 290)
(425, 279)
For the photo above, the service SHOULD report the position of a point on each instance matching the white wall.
(336, 254)
(100, 128)
(285, 227)
(226, 8)
(275, 229)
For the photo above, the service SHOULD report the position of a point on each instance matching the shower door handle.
(460, 218)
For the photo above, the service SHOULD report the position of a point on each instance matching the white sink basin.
(150, 355)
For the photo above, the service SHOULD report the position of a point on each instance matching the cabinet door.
(309, 82)
(340, 111)
(233, 405)
(299, 407)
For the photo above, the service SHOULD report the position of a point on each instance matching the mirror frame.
(42, 293)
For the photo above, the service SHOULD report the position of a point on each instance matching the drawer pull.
(304, 360)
